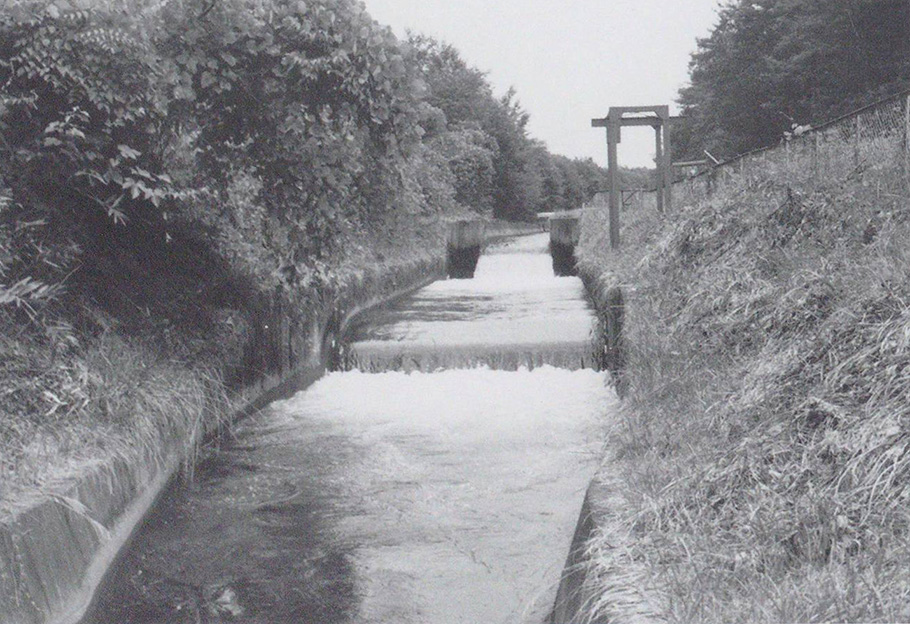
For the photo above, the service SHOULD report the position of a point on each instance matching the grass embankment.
(763, 450)
(67, 411)
(145, 343)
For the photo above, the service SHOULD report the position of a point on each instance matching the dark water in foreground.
(447, 494)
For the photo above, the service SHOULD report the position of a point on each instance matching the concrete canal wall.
(54, 555)
(576, 592)
(609, 304)
(564, 234)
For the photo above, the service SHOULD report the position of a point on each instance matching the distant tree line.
(771, 64)
(499, 170)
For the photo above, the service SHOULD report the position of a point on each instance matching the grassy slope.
(141, 345)
(764, 447)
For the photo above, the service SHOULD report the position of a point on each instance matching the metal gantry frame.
(658, 117)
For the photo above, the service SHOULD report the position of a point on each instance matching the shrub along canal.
(438, 480)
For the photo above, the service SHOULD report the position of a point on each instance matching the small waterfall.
(514, 314)
(380, 357)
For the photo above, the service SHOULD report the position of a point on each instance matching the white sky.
(569, 60)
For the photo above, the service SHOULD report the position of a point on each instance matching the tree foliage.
(272, 128)
(499, 168)
(272, 132)
(771, 63)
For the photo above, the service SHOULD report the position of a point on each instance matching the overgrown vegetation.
(761, 461)
(497, 168)
(175, 174)
(763, 451)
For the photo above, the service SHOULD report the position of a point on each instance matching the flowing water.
(437, 481)
(513, 313)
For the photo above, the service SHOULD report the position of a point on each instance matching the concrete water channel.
(437, 480)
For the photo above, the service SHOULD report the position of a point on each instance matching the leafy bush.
(174, 175)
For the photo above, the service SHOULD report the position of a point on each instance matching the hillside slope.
(764, 448)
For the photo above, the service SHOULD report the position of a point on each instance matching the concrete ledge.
(601, 582)
(54, 555)
(463, 244)
(564, 235)
(571, 596)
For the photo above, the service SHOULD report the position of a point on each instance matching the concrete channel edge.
(614, 590)
(54, 555)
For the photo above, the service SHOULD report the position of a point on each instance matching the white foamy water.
(466, 487)
(514, 312)
(393, 497)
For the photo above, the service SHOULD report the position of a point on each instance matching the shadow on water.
(250, 540)
(437, 310)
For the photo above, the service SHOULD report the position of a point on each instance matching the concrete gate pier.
(463, 245)
(564, 234)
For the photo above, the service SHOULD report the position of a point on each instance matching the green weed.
(763, 452)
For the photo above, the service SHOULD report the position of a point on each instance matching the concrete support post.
(815, 169)
(660, 179)
(668, 161)
(564, 234)
(463, 246)
(613, 137)
(907, 141)
(856, 131)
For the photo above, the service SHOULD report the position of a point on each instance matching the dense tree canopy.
(771, 63)
(274, 131)
(499, 169)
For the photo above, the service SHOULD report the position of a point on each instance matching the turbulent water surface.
(440, 482)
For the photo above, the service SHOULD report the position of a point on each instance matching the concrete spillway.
(444, 494)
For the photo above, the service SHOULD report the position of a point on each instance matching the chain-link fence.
(870, 144)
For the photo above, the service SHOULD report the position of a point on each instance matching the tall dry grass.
(763, 453)
(69, 405)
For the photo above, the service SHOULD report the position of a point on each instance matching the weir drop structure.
(432, 489)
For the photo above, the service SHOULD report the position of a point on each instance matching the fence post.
(660, 180)
(815, 157)
(856, 131)
(906, 144)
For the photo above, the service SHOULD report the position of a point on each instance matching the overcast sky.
(570, 60)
